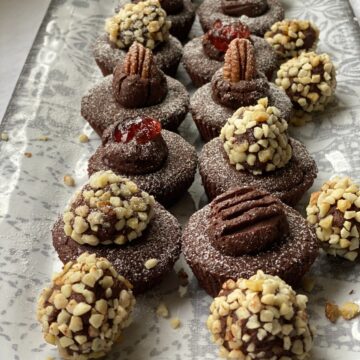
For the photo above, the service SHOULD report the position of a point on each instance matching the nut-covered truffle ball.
(109, 209)
(255, 139)
(85, 308)
(260, 318)
(334, 211)
(144, 22)
(309, 80)
(291, 37)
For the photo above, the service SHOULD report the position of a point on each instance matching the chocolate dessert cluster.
(144, 22)
(334, 211)
(110, 209)
(85, 308)
(292, 37)
(255, 138)
(309, 80)
(260, 318)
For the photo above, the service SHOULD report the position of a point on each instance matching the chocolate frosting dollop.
(246, 220)
(137, 81)
(134, 146)
(250, 8)
(239, 83)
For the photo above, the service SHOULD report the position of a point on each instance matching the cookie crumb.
(4, 136)
(332, 312)
(69, 180)
(83, 138)
(175, 323)
(50, 358)
(183, 277)
(28, 154)
(308, 283)
(162, 311)
(351, 292)
(151, 263)
(349, 310)
(43, 138)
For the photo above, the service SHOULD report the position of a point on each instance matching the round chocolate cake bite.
(309, 80)
(292, 37)
(137, 88)
(204, 55)
(181, 15)
(334, 211)
(258, 15)
(85, 309)
(145, 23)
(245, 230)
(160, 162)
(254, 149)
(112, 218)
(238, 83)
(260, 318)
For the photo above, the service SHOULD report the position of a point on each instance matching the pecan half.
(138, 61)
(239, 61)
(246, 220)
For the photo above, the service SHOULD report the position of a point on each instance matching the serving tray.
(46, 102)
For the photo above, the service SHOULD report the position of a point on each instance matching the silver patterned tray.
(46, 101)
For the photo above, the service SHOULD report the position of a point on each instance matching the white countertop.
(19, 23)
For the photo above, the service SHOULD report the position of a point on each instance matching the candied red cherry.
(142, 128)
(222, 35)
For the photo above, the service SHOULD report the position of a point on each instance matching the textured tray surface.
(58, 71)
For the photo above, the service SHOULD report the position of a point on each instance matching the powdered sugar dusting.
(100, 108)
(288, 183)
(166, 55)
(198, 63)
(290, 256)
(175, 175)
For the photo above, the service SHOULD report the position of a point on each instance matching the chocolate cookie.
(160, 241)
(201, 67)
(137, 88)
(288, 183)
(163, 165)
(257, 15)
(210, 117)
(289, 256)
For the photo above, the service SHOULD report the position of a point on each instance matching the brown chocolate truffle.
(162, 164)
(204, 55)
(258, 15)
(138, 88)
(292, 37)
(309, 80)
(334, 211)
(238, 83)
(181, 14)
(260, 318)
(85, 308)
(145, 23)
(288, 255)
(254, 150)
